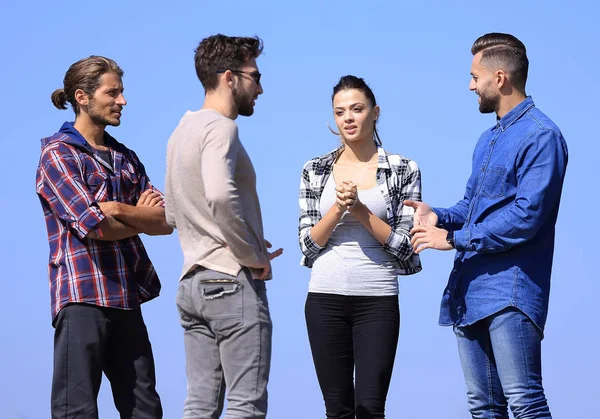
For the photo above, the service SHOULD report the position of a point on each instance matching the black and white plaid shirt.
(398, 179)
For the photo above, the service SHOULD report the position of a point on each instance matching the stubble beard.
(243, 103)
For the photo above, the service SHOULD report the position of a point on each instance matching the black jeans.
(89, 340)
(349, 333)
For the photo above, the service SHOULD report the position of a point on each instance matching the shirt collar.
(78, 139)
(515, 113)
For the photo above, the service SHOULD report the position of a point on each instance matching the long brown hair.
(85, 74)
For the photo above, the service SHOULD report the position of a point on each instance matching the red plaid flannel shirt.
(70, 182)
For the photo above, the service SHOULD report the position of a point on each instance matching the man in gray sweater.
(211, 199)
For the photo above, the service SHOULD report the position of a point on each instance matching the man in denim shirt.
(503, 230)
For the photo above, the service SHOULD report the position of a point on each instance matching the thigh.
(330, 335)
(484, 391)
(245, 350)
(129, 366)
(376, 323)
(206, 385)
(79, 342)
(517, 350)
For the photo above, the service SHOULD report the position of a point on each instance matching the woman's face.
(354, 115)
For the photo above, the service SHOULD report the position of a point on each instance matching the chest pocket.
(493, 183)
(130, 184)
(99, 185)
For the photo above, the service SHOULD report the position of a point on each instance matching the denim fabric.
(504, 226)
(227, 344)
(501, 361)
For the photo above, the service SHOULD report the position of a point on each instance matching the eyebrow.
(351, 106)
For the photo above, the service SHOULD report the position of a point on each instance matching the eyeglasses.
(254, 74)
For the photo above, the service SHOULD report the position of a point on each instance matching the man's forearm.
(111, 229)
(148, 220)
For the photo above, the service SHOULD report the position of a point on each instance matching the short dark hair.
(85, 74)
(506, 52)
(350, 82)
(220, 51)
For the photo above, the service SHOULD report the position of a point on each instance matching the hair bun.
(59, 99)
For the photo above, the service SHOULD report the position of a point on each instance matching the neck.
(92, 132)
(509, 102)
(221, 103)
(359, 151)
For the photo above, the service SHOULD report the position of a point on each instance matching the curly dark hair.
(220, 51)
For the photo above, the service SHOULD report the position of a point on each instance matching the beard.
(488, 103)
(243, 103)
(98, 118)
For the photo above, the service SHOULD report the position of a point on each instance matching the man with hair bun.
(97, 199)
(503, 230)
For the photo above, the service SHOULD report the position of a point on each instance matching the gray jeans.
(227, 336)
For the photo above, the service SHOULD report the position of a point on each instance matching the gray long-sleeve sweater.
(210, 195)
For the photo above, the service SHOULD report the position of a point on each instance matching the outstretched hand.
(424, 215)
(428, 237)
(275, 253)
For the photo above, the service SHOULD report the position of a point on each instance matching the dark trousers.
(89, 340)
(349, 334)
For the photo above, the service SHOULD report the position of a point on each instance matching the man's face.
(107, 102)
(246, 89)
(483, 83)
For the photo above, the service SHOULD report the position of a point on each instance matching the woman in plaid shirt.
(354, 234)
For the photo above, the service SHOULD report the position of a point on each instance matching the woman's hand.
(347, 196)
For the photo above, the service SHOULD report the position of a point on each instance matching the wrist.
(450, 239)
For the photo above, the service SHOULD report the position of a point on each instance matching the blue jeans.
(227, 337)
(502, 363)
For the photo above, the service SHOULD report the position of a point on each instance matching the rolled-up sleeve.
(60, 185)
(398, 242)
(309, 216)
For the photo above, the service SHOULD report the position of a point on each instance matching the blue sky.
(416, 57)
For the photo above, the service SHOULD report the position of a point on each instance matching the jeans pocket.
(493, 183)
(222, 304)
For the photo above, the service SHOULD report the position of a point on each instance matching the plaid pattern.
(70, 182)
(398, 178)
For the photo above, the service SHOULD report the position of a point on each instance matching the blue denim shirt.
(504, 225)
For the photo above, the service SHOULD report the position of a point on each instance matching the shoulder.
(57, 146)
(542, 131)
(398, 162)
(321, 161)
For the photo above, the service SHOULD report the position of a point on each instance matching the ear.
(81, 97)
(376, 112)
(227, 78)
(501, 79)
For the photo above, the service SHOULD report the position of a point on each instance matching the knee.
(370, 409)
(528, 403)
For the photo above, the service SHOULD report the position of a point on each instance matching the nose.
(472, 85)
(121, 100)
(259, 90)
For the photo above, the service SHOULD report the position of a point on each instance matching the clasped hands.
(346, 196)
